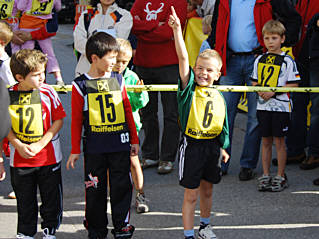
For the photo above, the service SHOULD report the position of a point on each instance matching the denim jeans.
(313, 133)
(239, 69)
(149, 118)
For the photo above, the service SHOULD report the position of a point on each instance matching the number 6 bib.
(26, 115)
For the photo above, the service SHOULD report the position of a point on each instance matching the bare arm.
(181, 51)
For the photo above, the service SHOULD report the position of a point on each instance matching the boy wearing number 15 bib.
(274, 69)
(203, 120)
(100, 104)
(35, 159)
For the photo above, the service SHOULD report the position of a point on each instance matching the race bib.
(105, 106)
(26, 115)
(6, 7)
(207, 114)
(269, 66)
(41, 8)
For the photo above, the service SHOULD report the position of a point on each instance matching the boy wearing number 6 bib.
(100, 105)
(37, 116)
(274, 69)
(203, 120)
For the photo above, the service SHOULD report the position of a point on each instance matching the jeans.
(149, 118)
(239, 69)
(313, 136)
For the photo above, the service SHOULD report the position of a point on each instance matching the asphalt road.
(239, 210)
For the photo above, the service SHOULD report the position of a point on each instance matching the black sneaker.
(191, 237)
(124, 232)
(246, 174)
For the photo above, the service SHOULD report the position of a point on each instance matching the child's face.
(33, 80)
(206, 29)
(107, 2)
(206, 71)
(122, 61)
(273, 42)
(105, 63)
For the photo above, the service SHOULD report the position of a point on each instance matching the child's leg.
(50, 186)
(190, 198)
(281, 155)
(206, 198)
(266, 154)
(28, 45)
(137, 174)
(24, 184)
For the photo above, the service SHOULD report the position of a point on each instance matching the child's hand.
(71, 161)
(225, 156)
(2, 172)
(134, 149)
(139, 82)
(266, 95)
(25, 151)
(35, 147)
(318, 23)
(173, 20)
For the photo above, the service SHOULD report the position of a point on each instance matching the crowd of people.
(140, 42)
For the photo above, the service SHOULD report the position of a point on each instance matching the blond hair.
(274, 27)
(25, 61)
(6, 33)
(210, 53)
(125, 46)
(207, 20)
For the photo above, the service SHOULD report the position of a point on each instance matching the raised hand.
(173, 20)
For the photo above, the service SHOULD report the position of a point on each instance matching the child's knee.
(191, 195)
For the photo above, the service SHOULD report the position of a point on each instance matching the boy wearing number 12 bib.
(100, 104)
(274, 69)
(203, 120)
(35, 159)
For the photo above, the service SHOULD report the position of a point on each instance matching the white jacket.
(122, 29)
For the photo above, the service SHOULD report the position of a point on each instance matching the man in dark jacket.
(238, 40)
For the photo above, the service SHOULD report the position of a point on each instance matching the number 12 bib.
(26, 115)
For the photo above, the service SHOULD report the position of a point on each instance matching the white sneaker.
(206, 233)
(140, 203)
(21, 236)
(46, 234)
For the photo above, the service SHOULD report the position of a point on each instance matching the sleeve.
(140, 25)
(5, 117)
(254, 74)
(77, 104)
(164, 32)
(124, 26)
(57, 109)
(224, 135)
(80, 35)
(57, 5)
(292, 72)
(129, 117)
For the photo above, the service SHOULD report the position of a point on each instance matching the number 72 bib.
(26, 115)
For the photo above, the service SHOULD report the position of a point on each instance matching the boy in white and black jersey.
(274, 69)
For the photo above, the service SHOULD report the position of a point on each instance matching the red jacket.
(262, 14)
(307, 9)
(155, 45)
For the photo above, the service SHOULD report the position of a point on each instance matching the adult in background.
(238, 40)
(156, 63)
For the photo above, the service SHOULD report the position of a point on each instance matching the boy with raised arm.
(203, 120)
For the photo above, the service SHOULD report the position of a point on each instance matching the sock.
(204, 220)
(189, 233)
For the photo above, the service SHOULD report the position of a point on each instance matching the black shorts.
(198, 159)
(273, 123)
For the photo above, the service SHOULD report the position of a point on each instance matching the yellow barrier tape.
(226, 88)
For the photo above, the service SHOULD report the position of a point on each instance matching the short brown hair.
(6, 33)
(274, 27)
(125, 46)
(26, 60)
(210, 53)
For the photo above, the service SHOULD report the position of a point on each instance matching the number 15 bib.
(26, 115)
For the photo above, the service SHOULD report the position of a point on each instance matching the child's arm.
(2, 170)
(181, 51)
(22, 148)
(53, 130)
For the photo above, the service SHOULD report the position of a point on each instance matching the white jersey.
(5, 71)
(288, 74)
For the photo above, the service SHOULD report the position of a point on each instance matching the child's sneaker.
(47, 234)
(264, 183)
(206, 232)
(279, 183)
(12, 195)
(191, 237)
(60, 82)
(21, 236)
(124, 232)
(140, 203)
